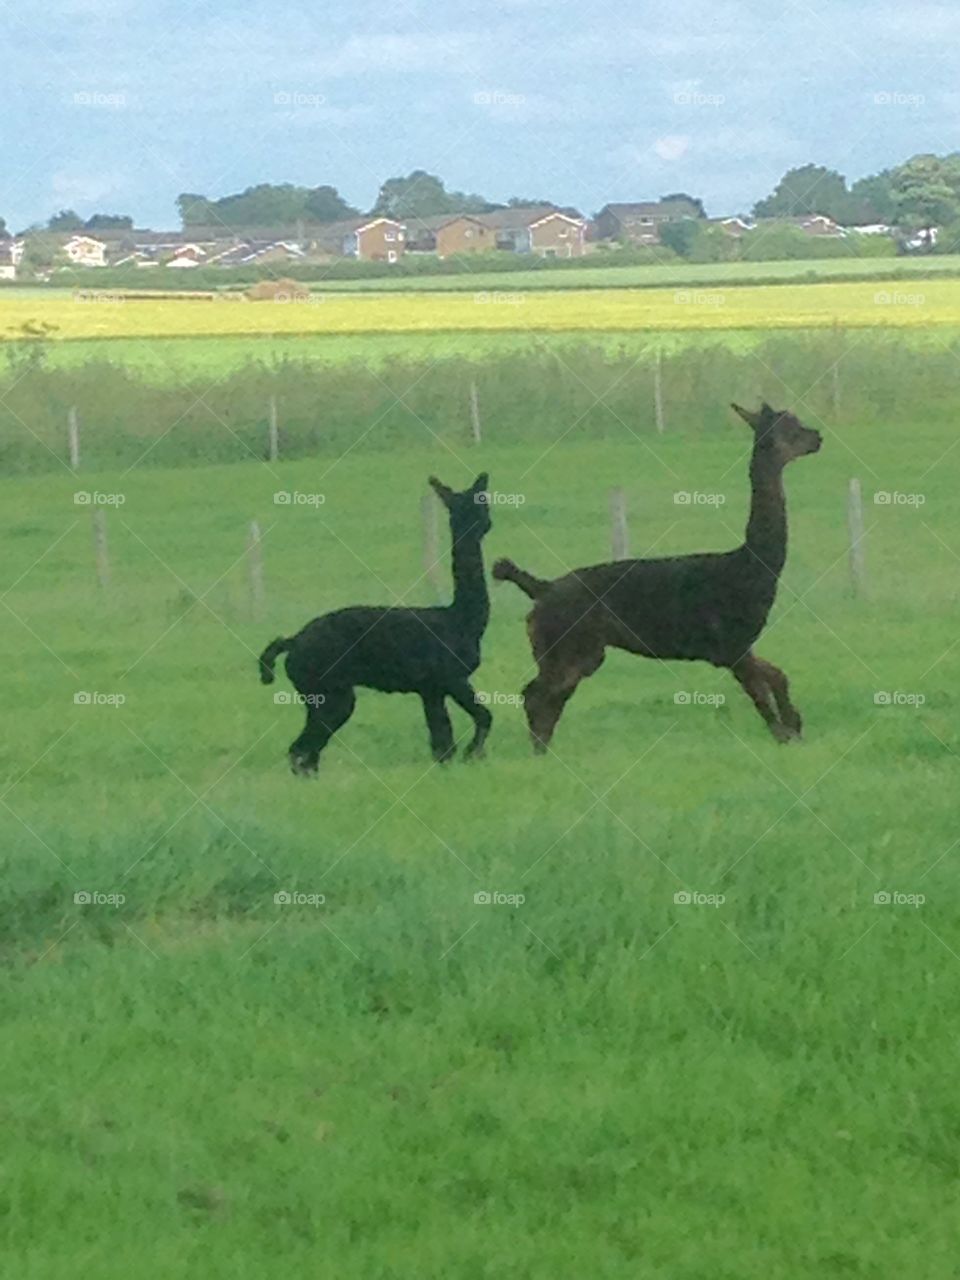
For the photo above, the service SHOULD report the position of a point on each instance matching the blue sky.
(119, 105)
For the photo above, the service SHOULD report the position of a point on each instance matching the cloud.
(672, 146)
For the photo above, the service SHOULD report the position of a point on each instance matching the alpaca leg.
(325, 715)
(753, 681)
(547, 694)
(464, 696)
(780, 686)
(439, 727)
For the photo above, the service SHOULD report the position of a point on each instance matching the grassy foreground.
(601, 1080)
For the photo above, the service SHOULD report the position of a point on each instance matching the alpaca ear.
(440, 489)
(751, 419)
(481, 484)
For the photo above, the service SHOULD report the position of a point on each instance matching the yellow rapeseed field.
(91, 313)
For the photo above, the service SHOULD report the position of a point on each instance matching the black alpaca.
(710, 607)
(432, 652)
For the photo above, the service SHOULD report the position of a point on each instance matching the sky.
(120, 105)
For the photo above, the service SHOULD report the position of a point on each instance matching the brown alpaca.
(709, 607)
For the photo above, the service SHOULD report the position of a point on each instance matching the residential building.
(640, 223)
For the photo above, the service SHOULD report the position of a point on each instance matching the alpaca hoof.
(785, 732)
(475, 753)
(301, 767)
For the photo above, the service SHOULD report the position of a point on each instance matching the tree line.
(916, 196)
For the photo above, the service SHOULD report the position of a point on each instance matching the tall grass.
(589, 393)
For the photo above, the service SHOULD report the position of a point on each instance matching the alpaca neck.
(470, 600)
(766, 539)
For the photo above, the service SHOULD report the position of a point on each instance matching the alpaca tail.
(269, 656)
(507, 571)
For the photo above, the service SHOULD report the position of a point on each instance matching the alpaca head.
(469, 510)
(778, 435)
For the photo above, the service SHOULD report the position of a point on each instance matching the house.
(261, 253)
(734, 226)
(186, 256)
(368, 239)
(85, 251)
(11, 252)
(555, 235)
(465, 234)
(813, 224)
(640, 223)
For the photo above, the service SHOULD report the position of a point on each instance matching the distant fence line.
(99, 415)
(434, 552)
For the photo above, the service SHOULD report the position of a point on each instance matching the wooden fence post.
(858, 574)
(274, 452)
(619, 536)
(73, 436)
(658, 392)
(475, 413)
(101, 552)
(255, 557)
(429, 508)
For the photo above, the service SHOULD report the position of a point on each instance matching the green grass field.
(399, 1081)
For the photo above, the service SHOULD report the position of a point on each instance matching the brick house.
(640, 223)
(555, 235)
(465, 233)
(372, 239)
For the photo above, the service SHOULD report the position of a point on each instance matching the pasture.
(700, 1044)
(100, 314)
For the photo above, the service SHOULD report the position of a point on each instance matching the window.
(391, 255)
(389, 235)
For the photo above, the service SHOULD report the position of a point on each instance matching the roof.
(331, 234)
(644, 208)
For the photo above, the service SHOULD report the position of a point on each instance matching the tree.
(926, 193)
(109, 222)
(422, 194)
(809, 189)
(194, 210)
(3, 229)
(326, 204)
(871, 200)
(679, 234)
(677, 196)
(65, 220)
(41, 252)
